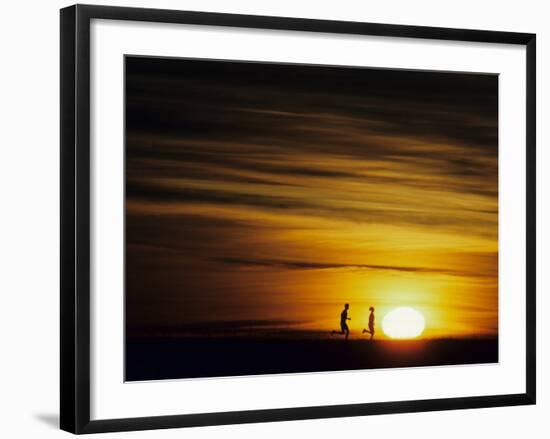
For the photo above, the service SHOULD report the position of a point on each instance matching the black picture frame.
(75, 217)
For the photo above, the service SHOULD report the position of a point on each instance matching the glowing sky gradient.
(264, 196)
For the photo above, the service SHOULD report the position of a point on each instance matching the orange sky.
(258, 197)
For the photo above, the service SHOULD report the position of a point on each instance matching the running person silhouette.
(343, 322)
(371, 323)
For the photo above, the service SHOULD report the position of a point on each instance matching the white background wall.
(29, 206)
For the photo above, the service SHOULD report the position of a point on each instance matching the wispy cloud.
(310, 265)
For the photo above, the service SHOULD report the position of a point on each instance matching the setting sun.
(403, 322)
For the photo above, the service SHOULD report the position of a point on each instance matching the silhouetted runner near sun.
(371, 323)
(343, 322)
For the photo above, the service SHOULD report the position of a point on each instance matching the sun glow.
(403, 322)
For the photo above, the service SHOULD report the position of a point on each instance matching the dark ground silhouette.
(233, 356)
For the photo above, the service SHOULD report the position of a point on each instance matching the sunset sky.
(264, 196)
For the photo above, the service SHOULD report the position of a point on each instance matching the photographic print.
(292, 218)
